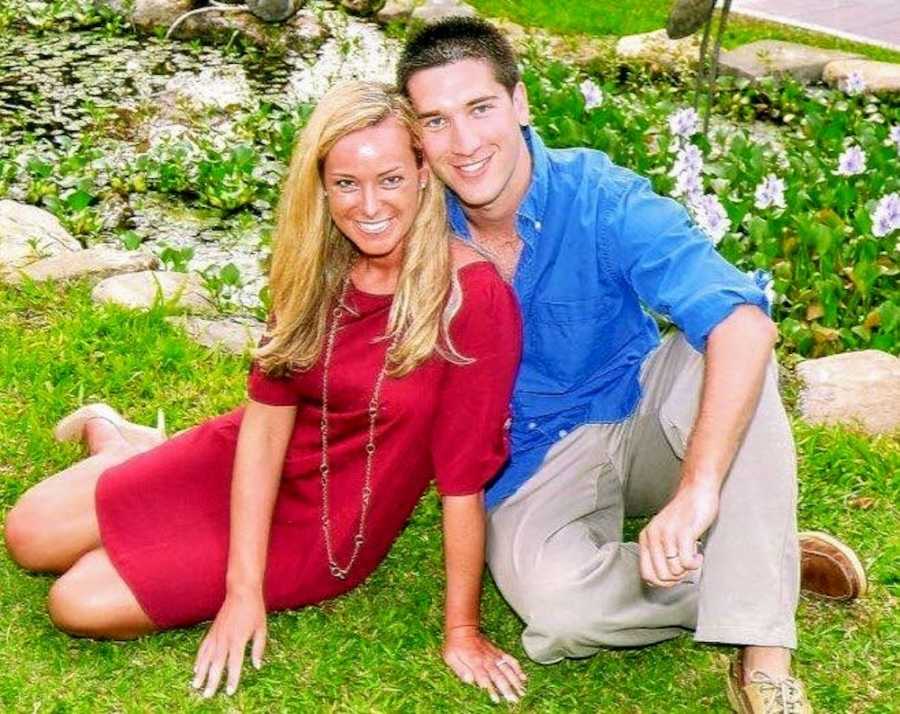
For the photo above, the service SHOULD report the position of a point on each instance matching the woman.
(390, 359)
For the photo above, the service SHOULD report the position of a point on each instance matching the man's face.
(471, 126)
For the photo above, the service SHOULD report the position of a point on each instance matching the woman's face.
(373, 184)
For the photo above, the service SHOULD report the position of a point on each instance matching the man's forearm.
(737, 355)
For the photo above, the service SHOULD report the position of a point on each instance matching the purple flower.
(593, 96)
(684, 123)
(852, 162)
(895, 135)
(710, 217)
(686, 170)
(853, 83)
(886, 216)
(770, 192)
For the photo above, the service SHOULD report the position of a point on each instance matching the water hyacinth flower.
(853, 84)
(593, 96)
(852, 162)
(684, 123)
(710, 216)
(886, 216)
(770, 192)
(895, 135)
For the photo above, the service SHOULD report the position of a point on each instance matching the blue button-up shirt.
(597, 243)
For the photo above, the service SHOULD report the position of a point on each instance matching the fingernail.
(229, 691)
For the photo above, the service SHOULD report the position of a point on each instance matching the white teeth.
(473, 168)
(373, 227)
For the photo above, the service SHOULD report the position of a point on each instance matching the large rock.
(854, 387)
(141, 290)
(395, 11)
(28, 233)
(231, 336)
(362, 7)
(878, 76)
(147, 15)
(656, 48)
(774, 58)
(219, 88)
(98, 262)
(434, 10)
(303, 32)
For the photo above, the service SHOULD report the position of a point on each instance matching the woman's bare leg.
(92, 600)
(54, 523)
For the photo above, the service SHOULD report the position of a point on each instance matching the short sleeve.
(673, 267)
(275, 391)
(470, 433)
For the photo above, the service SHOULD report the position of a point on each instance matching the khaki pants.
(555, 550)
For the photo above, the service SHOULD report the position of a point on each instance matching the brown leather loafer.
(829, 568)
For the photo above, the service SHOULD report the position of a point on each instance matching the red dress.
(164, 514)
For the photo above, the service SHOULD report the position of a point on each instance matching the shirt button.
(562, 433)
(507, 424)
(532, 425)
(537, 225)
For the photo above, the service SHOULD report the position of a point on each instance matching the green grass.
(629, 17)
(377, 649)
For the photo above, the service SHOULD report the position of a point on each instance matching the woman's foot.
(102, 427)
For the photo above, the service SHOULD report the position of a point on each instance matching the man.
(608, 422)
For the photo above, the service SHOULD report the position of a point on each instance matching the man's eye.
(481, 108)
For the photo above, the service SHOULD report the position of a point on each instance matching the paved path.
(873, 21)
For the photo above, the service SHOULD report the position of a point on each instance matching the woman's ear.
(423, 174)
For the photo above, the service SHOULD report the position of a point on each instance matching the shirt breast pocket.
(564, 338)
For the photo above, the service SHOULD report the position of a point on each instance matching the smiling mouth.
(471, 169)
(373, 227)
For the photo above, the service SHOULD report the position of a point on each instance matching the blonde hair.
(311, 259)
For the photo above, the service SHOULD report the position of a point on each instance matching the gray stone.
(395, 11)
(773, 58)
(140, 291)
(147, 15)
(861, 388)
(29, 233)
(362, 7)
(273, 10)
(656, 48)
(878, 76)
(231, 336)
(98, 262)
(434, 10)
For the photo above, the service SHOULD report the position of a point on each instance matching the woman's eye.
(393, 181)
(434, 123)
(344, 184)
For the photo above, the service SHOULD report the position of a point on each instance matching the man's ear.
(520, 104)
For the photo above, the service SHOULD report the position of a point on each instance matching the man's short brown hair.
(454, 39)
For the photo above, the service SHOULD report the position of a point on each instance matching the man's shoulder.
(590, 173)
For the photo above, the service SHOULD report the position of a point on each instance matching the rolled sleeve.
(673, 267)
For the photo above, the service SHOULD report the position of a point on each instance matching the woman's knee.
(22, 532)
(91, 600)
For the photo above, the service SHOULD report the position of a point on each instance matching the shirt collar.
(533, 205)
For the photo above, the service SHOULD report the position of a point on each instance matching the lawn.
(629, 17)
(377, 650)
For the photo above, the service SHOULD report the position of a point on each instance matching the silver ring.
(502, 660)
(671, 557)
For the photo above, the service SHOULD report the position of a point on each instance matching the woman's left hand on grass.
(476, 660)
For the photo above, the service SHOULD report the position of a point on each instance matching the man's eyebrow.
(470, 103)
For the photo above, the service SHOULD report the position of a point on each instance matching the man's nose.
(465, 139)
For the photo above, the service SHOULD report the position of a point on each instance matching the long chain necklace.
(324, 470)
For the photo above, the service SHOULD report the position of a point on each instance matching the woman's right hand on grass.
(241, 618)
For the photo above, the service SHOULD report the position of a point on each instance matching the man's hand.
(476, 660)
(240, 619)
(669, 542)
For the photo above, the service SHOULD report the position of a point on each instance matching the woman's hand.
(241, 618)
(475, 659)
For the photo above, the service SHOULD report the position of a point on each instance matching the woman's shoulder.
(486, 297)
(471, 268)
